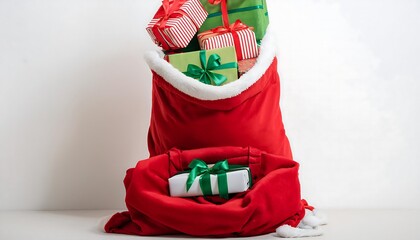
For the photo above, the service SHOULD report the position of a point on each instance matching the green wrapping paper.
(189, 62)
(251, 12)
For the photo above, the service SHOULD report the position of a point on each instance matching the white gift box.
(238, 181)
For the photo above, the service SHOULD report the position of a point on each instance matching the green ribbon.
(200, 169)
(205, 73)
(230, 11)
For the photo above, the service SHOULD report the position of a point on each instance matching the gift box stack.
(214, 42)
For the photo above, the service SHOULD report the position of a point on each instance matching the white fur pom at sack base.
(102, 222)
(308, 226)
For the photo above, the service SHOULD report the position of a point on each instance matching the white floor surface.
(80, 225)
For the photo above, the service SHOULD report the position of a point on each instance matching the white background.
(75, 97)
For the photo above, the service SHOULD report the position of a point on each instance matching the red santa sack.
(273, 200)
(188, 114)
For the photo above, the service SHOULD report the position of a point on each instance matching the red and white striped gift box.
(247, 41)
(180, 27)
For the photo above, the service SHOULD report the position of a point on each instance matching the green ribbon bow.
(200, 168)
(205, 73)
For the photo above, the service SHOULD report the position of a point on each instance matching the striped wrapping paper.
(248, 42)
(179, 31)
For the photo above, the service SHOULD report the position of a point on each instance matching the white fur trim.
(322, 217)
(308, 226)
(304, 226)
(102, 222)
(313, 220)
(198, 90)
(287, 231)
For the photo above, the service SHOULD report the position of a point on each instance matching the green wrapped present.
(253, 13)
(215, 67)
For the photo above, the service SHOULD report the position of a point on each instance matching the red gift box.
(176, 22)
(237, 34)
(245, 65)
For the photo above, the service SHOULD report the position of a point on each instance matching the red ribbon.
(223, 8)
(215, 2)
(233, 28)
(225, 15)
(169, 9)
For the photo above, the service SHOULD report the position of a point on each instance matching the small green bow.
(205, 73)
(200, 168)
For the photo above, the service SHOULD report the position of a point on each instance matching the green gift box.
(251, 12)
(215, 67)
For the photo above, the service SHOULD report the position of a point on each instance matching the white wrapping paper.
(238, 181)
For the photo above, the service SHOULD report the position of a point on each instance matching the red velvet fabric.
(273, 200)
(252, 118)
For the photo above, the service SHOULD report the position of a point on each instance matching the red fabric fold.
(273, 200)
(252, 118)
